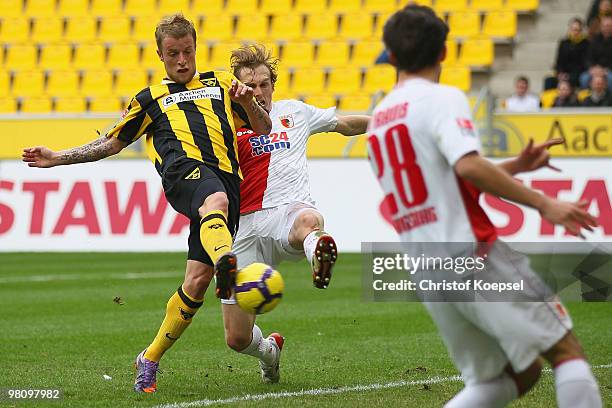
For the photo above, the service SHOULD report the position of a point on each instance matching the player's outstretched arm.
(531, 158)
(259, 119)
(352, 125)
(491, 179)
(100, 148)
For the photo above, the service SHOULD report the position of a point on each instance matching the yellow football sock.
(214, 234)
(179, 312)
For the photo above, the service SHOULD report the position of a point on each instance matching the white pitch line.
(90, 276)
(324, 391)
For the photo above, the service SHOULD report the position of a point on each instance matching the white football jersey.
(274, 166)
(417, 133)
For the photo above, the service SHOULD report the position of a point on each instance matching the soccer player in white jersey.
(279, 220)
(424, 151)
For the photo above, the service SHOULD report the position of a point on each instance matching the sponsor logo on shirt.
(201, 93)
(287, 121)
(262, 144)
(467, 127)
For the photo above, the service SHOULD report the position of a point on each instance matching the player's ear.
(392, 58)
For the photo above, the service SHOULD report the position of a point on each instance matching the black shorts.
(186, 184)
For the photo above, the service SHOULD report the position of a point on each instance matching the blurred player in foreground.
(424, 150)
(278, 218)
(190, 121)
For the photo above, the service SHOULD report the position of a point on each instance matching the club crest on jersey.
(287, 121)
(261, 144)
(209, 82)
(467, 127)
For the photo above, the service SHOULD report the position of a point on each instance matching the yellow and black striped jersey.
(197, 120)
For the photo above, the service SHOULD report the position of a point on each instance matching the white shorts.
(483, 337)
(263, 236)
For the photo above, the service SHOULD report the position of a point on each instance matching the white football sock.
(260, 347)
(310, 244)
(576, 385)
(496, 393)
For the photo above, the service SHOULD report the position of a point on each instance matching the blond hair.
(175, 26)
(251, 56)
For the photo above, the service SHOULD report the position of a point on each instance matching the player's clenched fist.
(240, 93)
(38, 156)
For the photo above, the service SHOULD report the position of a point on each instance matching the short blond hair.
(251, 56)
(175, 26)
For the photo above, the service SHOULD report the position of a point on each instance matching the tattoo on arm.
(256, 112)
(96, 150)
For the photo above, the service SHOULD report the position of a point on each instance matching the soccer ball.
(259, 288)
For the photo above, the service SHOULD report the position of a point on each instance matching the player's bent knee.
(309, 219)
(217, 201)
(528, 378)
(568, 348)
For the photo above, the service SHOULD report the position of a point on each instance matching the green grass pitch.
(60, 328)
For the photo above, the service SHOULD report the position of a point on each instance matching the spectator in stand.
(522, 100)
(600, 53)
(600, 94)
(599, 9)
(571, 55)
(566, 97)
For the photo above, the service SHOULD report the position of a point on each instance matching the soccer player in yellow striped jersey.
(190, 122)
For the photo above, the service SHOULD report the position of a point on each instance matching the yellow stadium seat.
(28, 83)
(220, 55)
(356, 26)
(140, 8)
(366, 52)
(159, 74)
(15, 30)
(548, 98)
(207, 7)
(97, 82)
(298, 54)
(380, 6)
(81, 30)
(114, 29)
(73, 104)
(310, 6)
(464, 23)
(5, 81)
(167, 7)
(321, 100)
(446, 6)
(123, 55)
(40, 8)
(89, 56)
(73, 8)
(63, 83)
(380, 77)
(40, 104)
(486, 5)
(282, 81)
(500, 24)
(333, 54)
(477, 52)
(242, 7)
(12, 8)
(379, 24)
(8, 106)
(144, 29)
(522, 5)
(56, 56)
(273, 7)
(252, 27)
(20, 57)
(106, 8)
(357, 102)
(150, 59)
(344, 6)
(108, 104)
(47, 30)
(129, 83)
(217, 28)
(458, 76)
(451, 52)
(286, 27)
(321, 26)
(308, 81)
(428, 3)
(344, 81)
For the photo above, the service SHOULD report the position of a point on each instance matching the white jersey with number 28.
(416, 135)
